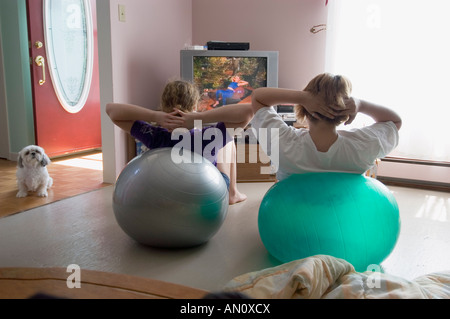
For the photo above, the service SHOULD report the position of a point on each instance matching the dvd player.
(219, 45)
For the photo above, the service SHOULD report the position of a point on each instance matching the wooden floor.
(71, 176)
(20, 283)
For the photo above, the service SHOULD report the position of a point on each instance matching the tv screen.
(228, 77)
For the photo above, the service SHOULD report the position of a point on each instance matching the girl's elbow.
(258, 95)
(109, 108)
(248, 113)
(112, 111)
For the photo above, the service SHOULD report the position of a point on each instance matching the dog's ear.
(20, 161)
(45, 160)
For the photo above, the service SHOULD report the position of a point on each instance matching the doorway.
(72, 175)
(64, 74)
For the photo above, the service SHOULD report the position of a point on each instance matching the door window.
(69, 39)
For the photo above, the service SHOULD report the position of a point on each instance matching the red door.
(64, 123)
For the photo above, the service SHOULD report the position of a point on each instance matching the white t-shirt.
(294, 152)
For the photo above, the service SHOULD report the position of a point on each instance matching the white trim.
(112, 144)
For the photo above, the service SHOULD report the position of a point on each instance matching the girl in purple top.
(155, 129)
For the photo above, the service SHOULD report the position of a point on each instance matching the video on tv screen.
(224, 80)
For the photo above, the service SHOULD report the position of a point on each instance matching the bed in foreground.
(333, 278)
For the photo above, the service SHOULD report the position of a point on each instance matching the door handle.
(40, 61)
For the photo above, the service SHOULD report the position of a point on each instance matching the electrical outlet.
(122, 13)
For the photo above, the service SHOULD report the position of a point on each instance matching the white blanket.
(328, 277)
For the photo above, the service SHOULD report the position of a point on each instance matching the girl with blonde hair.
(154, 128)
(321, 147)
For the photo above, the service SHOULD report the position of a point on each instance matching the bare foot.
(237, 198)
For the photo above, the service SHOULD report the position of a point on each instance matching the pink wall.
(146, 47)
(136, 59)
(269, 25)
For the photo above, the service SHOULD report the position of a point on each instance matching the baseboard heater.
(412, 173)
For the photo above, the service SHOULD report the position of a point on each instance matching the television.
(228, 77)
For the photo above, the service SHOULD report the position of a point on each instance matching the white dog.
(32, 174)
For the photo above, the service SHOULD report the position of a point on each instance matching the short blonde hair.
(179, 94)
(333, 89)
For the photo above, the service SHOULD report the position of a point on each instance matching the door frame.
(16, 83)
(4, 128)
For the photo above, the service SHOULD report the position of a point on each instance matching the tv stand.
(255, 161)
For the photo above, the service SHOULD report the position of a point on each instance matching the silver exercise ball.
(161, 202)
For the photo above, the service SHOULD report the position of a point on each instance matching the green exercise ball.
(344, 215)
